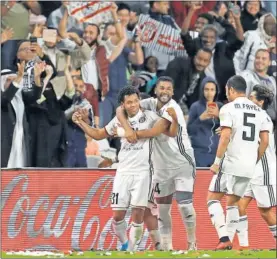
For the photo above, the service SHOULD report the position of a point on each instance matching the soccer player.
(173, 162)
(243, 125)
(132, 180)
(262, 186)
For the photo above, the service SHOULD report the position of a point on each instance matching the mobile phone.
(49, 35)
(212, 104)
(33, 39)
(234, 8)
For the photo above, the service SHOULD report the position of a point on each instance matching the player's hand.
(107, 162)
(172, 113)
(218, 131)
(131, 136)
(83, 113)
(214, 169)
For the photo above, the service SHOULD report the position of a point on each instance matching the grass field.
(156, 254)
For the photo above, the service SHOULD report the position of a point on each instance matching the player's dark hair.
(165, 79)
(205, 50)
(127, 91)
(264, 94)
(238, 83)
(123, 6)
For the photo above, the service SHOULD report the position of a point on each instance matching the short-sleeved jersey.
(134, 158)
(246, 120)
(170, 153)
(265, 171)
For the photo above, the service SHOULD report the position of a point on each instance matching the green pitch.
(156, 254)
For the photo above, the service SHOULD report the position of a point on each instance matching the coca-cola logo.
(39, 216)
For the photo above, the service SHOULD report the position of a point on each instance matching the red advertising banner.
(70, 209)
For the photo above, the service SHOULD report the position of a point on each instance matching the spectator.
(252, 12)
(202, 123)
(159, 12)
(262, 38)
(95, 71)
(272, 70)
(259, 76)
(118, 75)
(202, 20)
(180, 10)
(221, 67)
(14, 126)
(146, 80)
(77, 141)
(79, 56)
(10, 12)
(187, 74)
(56, 16)
(124, 15)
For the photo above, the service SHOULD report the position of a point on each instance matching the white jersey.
(134, 158)
(246, 120)
(170, 153)
(265, 171)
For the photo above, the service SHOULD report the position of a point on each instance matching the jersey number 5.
(250, 125)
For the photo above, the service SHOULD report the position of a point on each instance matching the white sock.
(165, 226)
(156, 238)
(119, 229)
(273, 230)
(217, 217)
(242, 231)
(232, 220)
(189, 218)
(135, 235)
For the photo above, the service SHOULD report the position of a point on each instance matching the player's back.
(265, 171)
(246, 120)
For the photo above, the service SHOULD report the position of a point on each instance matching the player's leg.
(139, 201)
(236, 188)
(163, 195)
(184, 186)
(217, 190)
(242, 228)
(151, 222)
(266, 201)
(120, 203)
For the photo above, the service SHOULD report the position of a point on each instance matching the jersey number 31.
(252, 127)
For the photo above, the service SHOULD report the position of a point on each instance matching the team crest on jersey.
(142, 119)
(132, 123)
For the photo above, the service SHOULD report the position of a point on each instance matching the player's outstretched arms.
(222, 147)
(264, 140)
(96, 134)
(130, 134)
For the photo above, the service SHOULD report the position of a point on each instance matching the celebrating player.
(243, 125)
(132, 181)
(173, 161)
(262, 186)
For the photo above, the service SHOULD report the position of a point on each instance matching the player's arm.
(168, 127)
(96, 134)
(264, 140)
(130, 134)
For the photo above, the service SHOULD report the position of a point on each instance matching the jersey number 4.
(250, 125)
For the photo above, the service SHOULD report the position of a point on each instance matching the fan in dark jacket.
(221, 67)
(252, 12)
(15, 136)
(187, 73)
(202, 123)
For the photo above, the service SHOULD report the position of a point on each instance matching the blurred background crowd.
(53, 65)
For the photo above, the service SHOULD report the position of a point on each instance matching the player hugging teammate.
(156, 161)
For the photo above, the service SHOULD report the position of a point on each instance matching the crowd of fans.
(44, 81)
